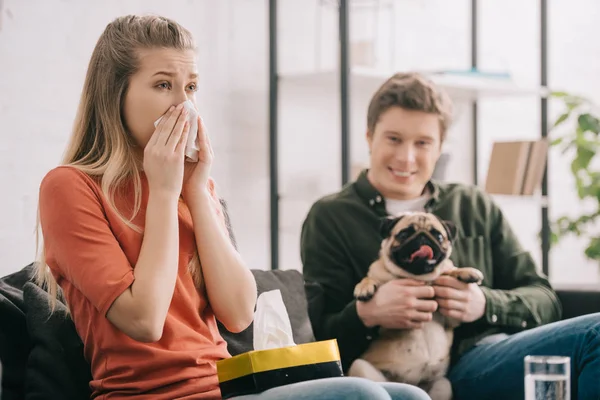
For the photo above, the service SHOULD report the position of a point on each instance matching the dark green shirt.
(340, 239)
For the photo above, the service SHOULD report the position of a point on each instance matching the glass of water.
(547, 378)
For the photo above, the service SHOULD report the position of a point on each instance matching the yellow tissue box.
(259, 370)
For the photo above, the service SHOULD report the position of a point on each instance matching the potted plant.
(579, 139)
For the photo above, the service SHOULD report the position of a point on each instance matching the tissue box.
(259, 370)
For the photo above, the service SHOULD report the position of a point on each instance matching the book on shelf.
(516, 167)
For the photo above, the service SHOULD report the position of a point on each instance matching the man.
(512, 314)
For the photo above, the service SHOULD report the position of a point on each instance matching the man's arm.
(325, 261)
(522, 297)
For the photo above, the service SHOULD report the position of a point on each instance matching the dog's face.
(415, 245)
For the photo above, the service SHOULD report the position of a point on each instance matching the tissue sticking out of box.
(191, 148)
(272, 327)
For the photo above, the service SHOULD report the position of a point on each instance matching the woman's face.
(165, 78)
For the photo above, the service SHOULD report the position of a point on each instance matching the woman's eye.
(164, 85)
(193, 87)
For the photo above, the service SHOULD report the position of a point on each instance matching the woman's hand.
(196, 177)
(164, 153)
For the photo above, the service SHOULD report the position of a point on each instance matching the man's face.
(405, 147)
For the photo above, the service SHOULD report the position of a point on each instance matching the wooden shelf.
(536, 199)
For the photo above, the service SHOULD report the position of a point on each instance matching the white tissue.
(272, 327)
(191, 149)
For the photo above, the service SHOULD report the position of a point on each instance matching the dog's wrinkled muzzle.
(419, 255)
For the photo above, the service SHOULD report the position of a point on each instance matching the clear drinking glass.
(547, 378)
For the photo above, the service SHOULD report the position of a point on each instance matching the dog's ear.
(387, 224)
(450, 229)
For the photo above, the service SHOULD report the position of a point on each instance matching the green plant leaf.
(593, 249)
(582, 136)
(554, 239)
(582, 159)
(562, 118)
(582, 188)
(588, 122)
(572, 102)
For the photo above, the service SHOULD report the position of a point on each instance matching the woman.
(135, 236)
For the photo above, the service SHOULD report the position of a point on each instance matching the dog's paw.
(364, 369)
(441, 389)
(467, 275)
(365, 289)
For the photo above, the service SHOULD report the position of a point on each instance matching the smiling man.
(512, 314)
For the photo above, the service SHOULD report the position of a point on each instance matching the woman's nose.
(180, 97)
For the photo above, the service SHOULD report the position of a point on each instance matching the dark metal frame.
(545, 234)
(273, 142)
(344, 90)
(344, 66)
(474, 113)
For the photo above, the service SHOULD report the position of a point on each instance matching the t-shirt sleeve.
(78, 240)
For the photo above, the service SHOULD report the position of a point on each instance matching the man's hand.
(398, 304)
(462, 301)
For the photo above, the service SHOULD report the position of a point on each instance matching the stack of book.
(516, 167)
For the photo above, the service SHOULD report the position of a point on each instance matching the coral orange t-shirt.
(91, 252)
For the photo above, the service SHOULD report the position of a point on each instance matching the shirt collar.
(376, 201)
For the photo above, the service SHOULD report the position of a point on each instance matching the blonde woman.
(135, 237)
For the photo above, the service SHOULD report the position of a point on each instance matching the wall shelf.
(458, 86)
(466, 87)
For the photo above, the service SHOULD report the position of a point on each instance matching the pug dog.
(416, 245)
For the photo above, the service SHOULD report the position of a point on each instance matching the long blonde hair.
(100, 144)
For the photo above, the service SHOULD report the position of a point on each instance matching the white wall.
(43, 61)
(44, 51)
(510, 39)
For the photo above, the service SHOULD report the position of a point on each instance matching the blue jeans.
(344, 388)
(496, 370)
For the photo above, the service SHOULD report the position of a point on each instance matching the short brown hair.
(410, 91)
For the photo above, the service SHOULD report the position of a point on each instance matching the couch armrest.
(578, 300)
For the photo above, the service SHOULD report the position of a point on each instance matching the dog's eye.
(438, 235)
(405, 233)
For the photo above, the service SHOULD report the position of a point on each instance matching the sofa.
(42, 356)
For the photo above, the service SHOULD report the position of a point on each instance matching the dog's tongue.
(424, 252)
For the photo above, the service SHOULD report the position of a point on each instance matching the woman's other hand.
(196, 178)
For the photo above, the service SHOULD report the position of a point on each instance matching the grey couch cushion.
(14, 341)
(291, 284)
(56, 368)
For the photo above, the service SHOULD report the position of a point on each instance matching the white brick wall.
(42, 66)
(43, 61)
